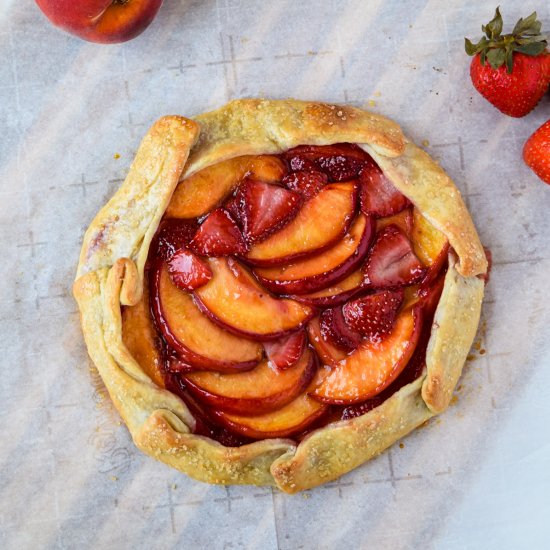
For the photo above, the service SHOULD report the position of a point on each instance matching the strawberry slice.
(335, 330)
(233, 206)
(378, 195)
(308, 184)
(172, 235)
(410, 373)
(392, 262)
(284, 353)
(341, 161)
(187, 270)
(265, 208)
(373, 315)
(218, 235)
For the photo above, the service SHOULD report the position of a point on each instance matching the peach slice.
(293, 418)
(403, 220)
(330, 355)
(141, 339)
(254, 392)
(198, 341)
(411, 295)
(336, 294)
(320, 222)
(428, 242)
(321, 270)
(374, 365)
(205, 190)
(415, 367)
(234, 300)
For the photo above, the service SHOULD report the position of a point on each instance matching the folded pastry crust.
(111, 270)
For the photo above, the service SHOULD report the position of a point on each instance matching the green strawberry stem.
(498, 49)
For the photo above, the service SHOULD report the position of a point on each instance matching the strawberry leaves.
(494, 27)
(498, 49)
(528, 26)
(511, 71)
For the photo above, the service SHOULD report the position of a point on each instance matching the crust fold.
(453, 331)
(207, 460)
(131, 390)
(125, 226)
(328, 453)
(261, 126)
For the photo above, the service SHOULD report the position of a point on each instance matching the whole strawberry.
(536, 152)
(511, 71)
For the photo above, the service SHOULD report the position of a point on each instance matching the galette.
(279, 291)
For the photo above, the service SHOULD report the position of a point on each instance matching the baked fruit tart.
(279, 291)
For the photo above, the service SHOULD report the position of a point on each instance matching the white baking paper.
(71, 117)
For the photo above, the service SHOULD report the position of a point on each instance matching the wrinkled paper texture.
(72, 114)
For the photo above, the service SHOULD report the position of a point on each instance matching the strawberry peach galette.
(279, 291)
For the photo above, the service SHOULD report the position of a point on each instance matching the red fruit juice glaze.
(309, 168)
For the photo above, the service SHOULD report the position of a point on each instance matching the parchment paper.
(71, 116)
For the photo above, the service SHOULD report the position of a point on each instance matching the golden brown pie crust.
(111, 270)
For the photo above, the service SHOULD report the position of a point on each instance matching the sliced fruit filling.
(286, 292)
(320, 270)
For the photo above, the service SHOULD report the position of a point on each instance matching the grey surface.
(477, 477)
